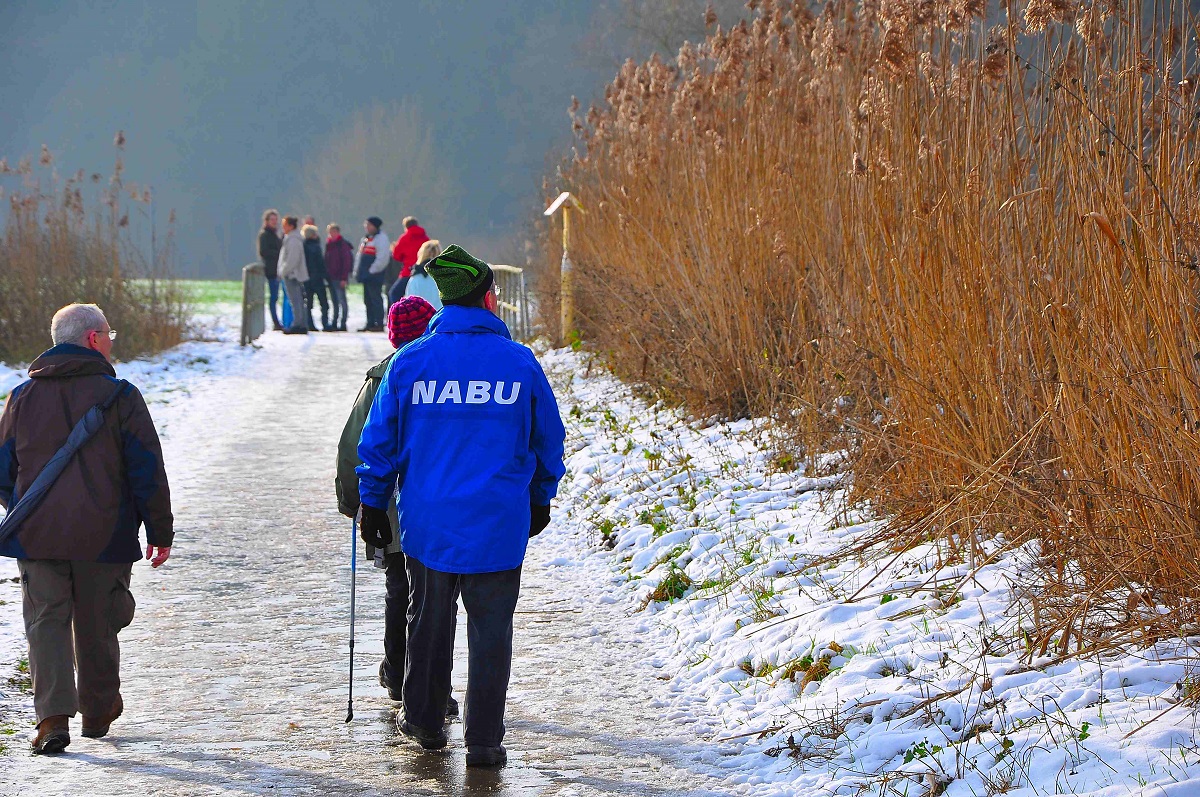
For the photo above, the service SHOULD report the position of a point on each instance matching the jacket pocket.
(121, 607)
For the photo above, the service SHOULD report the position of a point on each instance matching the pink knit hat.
(407, 320)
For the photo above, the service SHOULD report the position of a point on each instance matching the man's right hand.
(158, 556)
(375, 528)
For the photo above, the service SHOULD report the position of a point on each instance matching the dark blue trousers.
(490, 600)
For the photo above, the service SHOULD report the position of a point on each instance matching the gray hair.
(72, 323)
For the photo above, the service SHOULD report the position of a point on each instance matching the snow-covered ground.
(679, 634)
(879, 677)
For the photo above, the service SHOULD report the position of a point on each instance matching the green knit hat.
(461, 278)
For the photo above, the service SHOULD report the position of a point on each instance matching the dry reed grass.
(965, 248)
(57, 250)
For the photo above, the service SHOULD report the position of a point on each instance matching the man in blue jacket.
(467, 425)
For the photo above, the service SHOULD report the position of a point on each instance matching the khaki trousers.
(73, 612)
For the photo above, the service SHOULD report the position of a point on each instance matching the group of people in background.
(307, 270)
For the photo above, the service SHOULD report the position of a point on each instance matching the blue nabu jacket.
(467, 424)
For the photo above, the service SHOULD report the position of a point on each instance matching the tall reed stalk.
(65, 241)
(960, 240)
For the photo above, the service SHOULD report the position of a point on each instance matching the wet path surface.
(234, 669)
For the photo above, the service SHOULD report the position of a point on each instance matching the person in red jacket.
(405, 253)
(339, 262)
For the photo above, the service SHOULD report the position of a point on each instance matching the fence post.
(525, 325)
(567, 291)
(254, 306)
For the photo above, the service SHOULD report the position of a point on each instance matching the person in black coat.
(314, 260)
(269, 244)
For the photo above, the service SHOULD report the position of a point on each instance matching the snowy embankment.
(898, 676)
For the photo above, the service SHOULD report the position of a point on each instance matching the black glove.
(375, 528)
(539, 518)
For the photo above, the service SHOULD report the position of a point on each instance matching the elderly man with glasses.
(76, 549)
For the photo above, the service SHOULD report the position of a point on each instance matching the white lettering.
(512, 397)
(450, 393)
(478, 392)
(423, 392)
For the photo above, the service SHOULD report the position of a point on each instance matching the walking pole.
(353, 572)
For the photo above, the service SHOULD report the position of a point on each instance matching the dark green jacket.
(346, 482)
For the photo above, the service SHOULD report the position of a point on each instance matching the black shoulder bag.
(84, 430)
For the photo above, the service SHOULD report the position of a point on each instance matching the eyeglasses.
(112, 333)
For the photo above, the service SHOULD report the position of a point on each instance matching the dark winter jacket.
(115, 483)
(346, 482)
(269, 244)
(314, 260)
(406, 248)
(339, 259)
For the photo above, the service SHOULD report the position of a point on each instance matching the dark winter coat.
(116, 482)
(406, 248)
(346, 482)
(314, 260)
(269, 244)
(339, 259)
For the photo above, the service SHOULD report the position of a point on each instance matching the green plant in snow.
(673, 587)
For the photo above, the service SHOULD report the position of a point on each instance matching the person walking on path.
(314, 261)
(294, 273)
(407, 320)
(420, 283)
(406, 254)
(370, 267)
(339, 263)
(76, 550)
(466, 424)
(268, 251)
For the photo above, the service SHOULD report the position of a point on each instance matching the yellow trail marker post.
(566, 295)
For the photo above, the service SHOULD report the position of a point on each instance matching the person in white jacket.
(370, 269)
(294, 273)
(420, 283)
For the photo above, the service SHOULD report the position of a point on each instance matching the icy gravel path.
(235, 667)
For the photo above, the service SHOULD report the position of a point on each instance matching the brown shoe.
(95, 727)
(53, 736)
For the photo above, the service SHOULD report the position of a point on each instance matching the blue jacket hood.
(456, 318)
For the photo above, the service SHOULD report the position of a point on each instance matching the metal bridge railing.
(254, 303)
(513, 305)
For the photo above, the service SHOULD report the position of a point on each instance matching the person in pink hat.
(406, 321)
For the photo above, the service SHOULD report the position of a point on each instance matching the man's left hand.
(158, 556)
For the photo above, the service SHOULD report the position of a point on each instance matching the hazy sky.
(220, 99)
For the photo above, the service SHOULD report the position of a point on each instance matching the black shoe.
(451, 707)
(342, 328)
(295, 331)
(367, 328)
(487, 756)
(427, 740)
(394, 693)
(278, 327)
